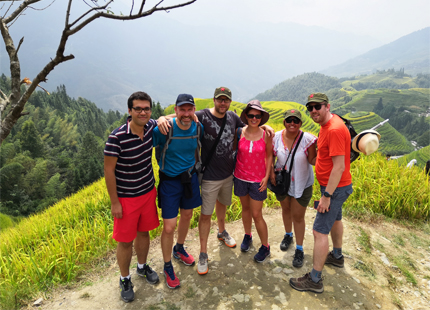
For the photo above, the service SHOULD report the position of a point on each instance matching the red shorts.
(138, 214)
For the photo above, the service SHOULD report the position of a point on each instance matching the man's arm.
(163, 122)
(109, 168)
(333, 181)
(269, 130)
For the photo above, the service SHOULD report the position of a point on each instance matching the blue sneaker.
(246, 243)
(263, 253)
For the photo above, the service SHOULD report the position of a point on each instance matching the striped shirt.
(133, 171)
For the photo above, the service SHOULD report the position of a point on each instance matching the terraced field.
(422, 156)
(392, 142)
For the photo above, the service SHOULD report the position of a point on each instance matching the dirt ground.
(387, 266)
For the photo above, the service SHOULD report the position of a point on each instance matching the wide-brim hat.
(256, 105)
(366, 142)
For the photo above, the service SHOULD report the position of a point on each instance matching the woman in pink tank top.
(252, 171)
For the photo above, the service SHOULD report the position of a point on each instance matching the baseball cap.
(222, 91)
(317, 97)
(293, 112)
(184, 99)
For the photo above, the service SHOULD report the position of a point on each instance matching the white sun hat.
(366, 142)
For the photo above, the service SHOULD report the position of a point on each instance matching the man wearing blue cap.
(179, 185)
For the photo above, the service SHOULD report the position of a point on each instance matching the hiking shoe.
(227, 239)
(172, 280)
(246, 243)
(183, 256)
(298, 258)
(263, 253)
(337, 262)
(126, 287)
(147, 272)
(305, 283)
(202, 267)
(285, 244)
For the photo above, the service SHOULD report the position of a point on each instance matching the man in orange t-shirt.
(333, 173)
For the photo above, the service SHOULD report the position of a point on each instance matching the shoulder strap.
(295, 149)
(212, 151)
(166, 146)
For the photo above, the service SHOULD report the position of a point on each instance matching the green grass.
(364, 240)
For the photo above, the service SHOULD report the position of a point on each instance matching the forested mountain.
(298, 88)
(411, 52)
(53, 151)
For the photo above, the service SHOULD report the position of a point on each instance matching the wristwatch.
(326, 194)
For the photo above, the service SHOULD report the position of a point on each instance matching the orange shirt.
(334, 140)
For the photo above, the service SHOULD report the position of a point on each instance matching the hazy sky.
(385, 20)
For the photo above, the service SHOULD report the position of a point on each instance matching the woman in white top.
(302, 178)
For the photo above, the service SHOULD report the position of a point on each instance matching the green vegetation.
(422, 156)
(52, 152)
(364, 240)
(392, 142)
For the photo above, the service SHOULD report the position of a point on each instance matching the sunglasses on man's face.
(295, 120)
(257, 116)
(317, 107)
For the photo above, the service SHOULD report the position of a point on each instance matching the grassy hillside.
(415, 100)
(392, 142)
(422, 156)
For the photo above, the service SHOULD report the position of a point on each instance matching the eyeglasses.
(221, 100)
(139, 109)
(317, 107)
(251, 116)
(295, 120)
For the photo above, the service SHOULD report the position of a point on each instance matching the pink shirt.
(251, 160)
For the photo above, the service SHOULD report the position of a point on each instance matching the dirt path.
(370, 279)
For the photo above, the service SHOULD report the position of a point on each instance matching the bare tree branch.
(16, 101)
(18, 11)
(19, 44)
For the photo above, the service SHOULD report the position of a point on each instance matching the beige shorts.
(216, 190)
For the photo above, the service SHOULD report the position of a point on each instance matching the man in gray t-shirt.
(217, 181)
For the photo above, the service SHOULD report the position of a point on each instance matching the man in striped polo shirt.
(130, 183)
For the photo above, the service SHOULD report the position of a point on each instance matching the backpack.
(162, 154)
(354, 155)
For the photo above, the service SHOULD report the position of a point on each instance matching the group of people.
(202, 156)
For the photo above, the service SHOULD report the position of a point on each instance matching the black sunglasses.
(295, 120)
(257, 116)
(317, 107)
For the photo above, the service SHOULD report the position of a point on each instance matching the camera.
(278, 177)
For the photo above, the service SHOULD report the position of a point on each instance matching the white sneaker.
(227, 239)
(202, 266)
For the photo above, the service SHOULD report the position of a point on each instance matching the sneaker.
(298, 258)
(305, 283)
(147, 272)
(263, 253)
(227, 239)
(202, 267)
(337, 262)
(172, 280)
(246, 243)
(285, 244)
(183, 256)
(126, 287)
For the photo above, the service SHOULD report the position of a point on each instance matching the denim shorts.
(171, 197)
(324, 221)
(242, 188)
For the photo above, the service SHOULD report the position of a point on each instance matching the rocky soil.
(387, 266)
